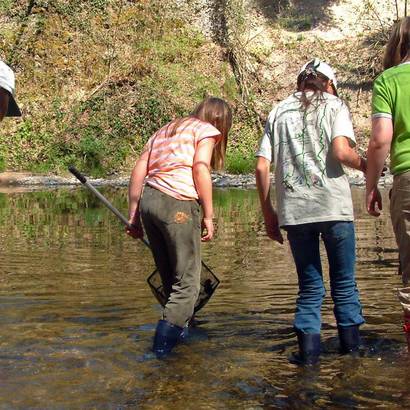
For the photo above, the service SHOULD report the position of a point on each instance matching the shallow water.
(77, 318)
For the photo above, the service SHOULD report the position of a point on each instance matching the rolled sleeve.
(265, 148)
(382, 115)
(265, 145)
(343, 126)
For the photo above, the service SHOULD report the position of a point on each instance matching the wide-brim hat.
(319, 66)
(7, 82)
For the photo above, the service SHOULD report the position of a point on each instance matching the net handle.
(114, 210)
(103, 199)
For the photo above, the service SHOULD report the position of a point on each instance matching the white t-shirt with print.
(310, 183)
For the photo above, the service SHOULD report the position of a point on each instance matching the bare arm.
(377, 151)
(345, 154)
(136, 183)
(262, 175)
(263, 185)
(203, 183)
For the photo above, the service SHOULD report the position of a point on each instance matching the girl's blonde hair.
(216, 112)
(398, 46)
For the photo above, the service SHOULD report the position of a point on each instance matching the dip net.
(209, 283)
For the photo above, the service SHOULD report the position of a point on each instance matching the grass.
(96, 81)
(296, 22)
(96, 78)
(238, 163)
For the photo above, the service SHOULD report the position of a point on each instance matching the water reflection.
(77, 317)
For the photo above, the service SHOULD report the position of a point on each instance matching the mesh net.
(209, 282)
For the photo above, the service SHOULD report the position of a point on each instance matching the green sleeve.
(381, 98)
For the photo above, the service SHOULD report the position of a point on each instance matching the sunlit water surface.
(77, 317)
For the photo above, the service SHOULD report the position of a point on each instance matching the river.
(77, 317)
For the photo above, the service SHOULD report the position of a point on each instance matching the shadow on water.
(77, 317)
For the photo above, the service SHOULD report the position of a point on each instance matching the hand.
(374, 202)
(207, 226)
(136, 231)
(363, 167)
(272, 226)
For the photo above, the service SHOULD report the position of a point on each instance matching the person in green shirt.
(391, 134)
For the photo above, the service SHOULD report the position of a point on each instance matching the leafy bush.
(239, 163)
(96, 78)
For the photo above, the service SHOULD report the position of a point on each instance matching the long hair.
(311, 81)
(398, 46)
(216, 112)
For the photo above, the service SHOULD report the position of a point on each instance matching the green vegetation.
(296, 22)
(240, 163)
(96, 79)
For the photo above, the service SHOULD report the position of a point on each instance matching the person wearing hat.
(308, 137)
(8, 105)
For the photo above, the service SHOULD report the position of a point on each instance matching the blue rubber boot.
(166, 337)
(184, 333)
(349, 339)
(309, 347)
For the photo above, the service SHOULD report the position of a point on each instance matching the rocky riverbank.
(219, 180)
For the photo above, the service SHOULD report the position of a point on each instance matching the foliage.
(241, 147)
(295, 22)
(95, 79)
(240, 163)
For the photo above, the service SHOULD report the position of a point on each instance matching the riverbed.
(77, 317)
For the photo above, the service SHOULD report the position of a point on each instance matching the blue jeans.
(339, 240)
